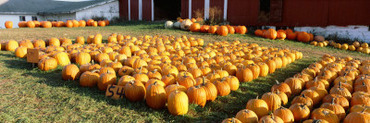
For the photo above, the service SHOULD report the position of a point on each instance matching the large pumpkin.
(195, 27)
(258, 106)
(178, 103)
(135, 91)
(222, 30)
(21, 52)
(300, 111)
(47, 64)
(197, 95)
(291, 35)
(89, 79)
(285, 114)
(326, 114)
(357, 117)
(83, 58)
(273, 100)
(11, 45)
(62, 58)
(105, 80)
(155, 96)
(271, 34)
(241, 29)
(303, 37)
(70, 72)
(336, 108)
(247, 116)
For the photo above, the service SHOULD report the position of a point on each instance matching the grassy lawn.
(28, 94)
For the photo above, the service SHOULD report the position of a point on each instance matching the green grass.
(28, 94)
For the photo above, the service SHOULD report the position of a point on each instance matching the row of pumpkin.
(48, 24)
(159, 69)
(332, 87)
(194, 26)
(310, 38)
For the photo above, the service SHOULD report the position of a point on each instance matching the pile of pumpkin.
(159, 69)
(309, 37)
(334, 90)
(48, 24)
(193, 25)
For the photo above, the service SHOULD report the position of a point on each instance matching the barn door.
(276, 10)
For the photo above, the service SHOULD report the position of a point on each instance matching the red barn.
(255, 12)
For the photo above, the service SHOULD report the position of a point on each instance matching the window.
(34, 18)
(22, 18)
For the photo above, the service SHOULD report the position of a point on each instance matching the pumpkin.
(247, 116)
(264, 69)
(69, 24)
(70, 72)
(197, 95)
(83, 58)
(255, 70)
(170, 88)
(363, 87)
(295, 85)
(185, 25)
(31, 24)
(271, 34)
(106, 79)
(319, 38)
(258, 106)
(177, 25)
(212, 29)
(82, 23)
(357, 117)
(178, 103)
(283, 97)
(231, 120)
(359, 108)
(195, 27)
(47, 64)
(125, 79)
(168, 24)
(341, 91)
(313, 95)
(62, 58)
(211, 90)
(46, 24)
(155, 96)
(285, 114)
(21, 52)
(187, 81)
(326, 114)
(204, 28)
(291, 35)
(271, 119)
(338, 99)
(271, 64)
(135, 91)
(89, 79)
(241, 30)
(101, 23)
(39, 44)
(315, 121)
(281, 35)
(223, 87)
(303, 37)
(273, 100)
(282, 87)
(222, 30)
(54, 42)
(360, 98)
(337, 109)
(300, 111)
(233, 82)
(303, 99)
(8, 24)
(258, 32)
(244, 74)
(231, 29)
(11, 45)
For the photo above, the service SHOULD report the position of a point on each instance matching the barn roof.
(44, 7)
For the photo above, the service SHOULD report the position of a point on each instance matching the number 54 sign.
(115, 92)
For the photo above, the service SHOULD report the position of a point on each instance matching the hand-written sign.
(115, 92)
(33, 55)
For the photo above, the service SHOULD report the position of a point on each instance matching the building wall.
(108, 11)
(59, 17)
(15, 19)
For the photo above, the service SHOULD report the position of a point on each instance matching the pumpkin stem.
(257, 96)
(332, 101)
(277, 82)
(92, 62)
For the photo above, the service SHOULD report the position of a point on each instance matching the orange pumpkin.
(241, 30)
(82, 23)
(222, 30)
(270, 34)
(101, 23)
(303, 37)
(281, 35)
(69, 24)
(195, 27)
(212, 29)
(31, 24)
(8, 24)
(46, 24)
(291, 35)
(231, 29)
(204, 28)
(258, 32)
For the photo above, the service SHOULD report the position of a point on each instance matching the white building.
(56, 10)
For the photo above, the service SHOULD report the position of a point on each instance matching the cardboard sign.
(115, 92)
(33, 55)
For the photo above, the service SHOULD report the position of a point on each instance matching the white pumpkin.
(177, 24)
(168, 24)
(185, 25)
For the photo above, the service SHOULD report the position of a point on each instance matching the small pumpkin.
(70, 72)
